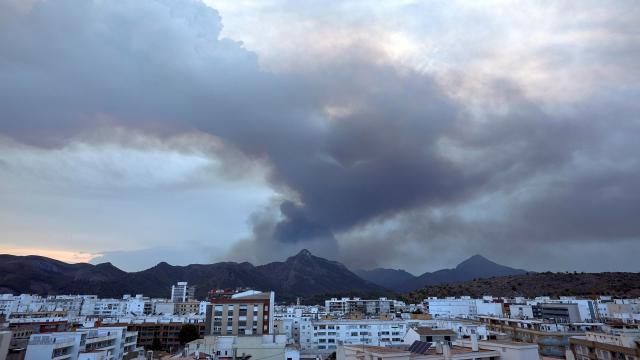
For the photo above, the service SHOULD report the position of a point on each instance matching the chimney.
(474, 342)
(446, 350)
(438, 347)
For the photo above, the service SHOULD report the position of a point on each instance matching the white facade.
(521, 311)
(108, 343)
(343, 306)
(327, 334)
(269, 346)
(463, 307)
(163, 308)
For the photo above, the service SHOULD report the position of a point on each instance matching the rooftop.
(425, 330)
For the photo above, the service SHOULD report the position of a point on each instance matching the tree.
(188, 333)
(332, 356)
(155, 344)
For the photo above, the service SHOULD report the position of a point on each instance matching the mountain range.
(617, 284)
(303, 275)
(474, 267)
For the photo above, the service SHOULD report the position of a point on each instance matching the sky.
(404, 134)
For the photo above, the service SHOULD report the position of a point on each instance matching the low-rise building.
(552, 339)
(557, 313)
(106, 343)
(5, 341)
(165, 335)
(347, 306)
(509, 350)
(622, 344)
(425, 351)
(326, 335)
(269, 346)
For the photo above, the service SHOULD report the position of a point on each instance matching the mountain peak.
(305, 253)
(476, 259)
(304, 256)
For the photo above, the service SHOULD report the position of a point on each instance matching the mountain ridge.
(302, 274)
(590, 285)
(476, 266)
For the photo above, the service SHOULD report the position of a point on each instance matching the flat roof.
(425, 330)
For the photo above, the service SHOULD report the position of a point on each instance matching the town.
(248, 324)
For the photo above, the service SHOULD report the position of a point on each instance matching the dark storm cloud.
(348, 144)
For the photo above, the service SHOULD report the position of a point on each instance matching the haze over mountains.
(474, 267)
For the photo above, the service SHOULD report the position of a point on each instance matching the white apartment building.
(104, 307)
(290, 320)
(327, 334)
(105, 343)
(182, 292)
(464, 307)
(269, 346)
(343, 306)
(521, 311)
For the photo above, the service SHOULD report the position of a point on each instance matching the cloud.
(62, 255)
(491, 135)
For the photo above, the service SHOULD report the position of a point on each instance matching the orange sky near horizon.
(62, 255)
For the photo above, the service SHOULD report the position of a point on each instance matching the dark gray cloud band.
(399, 144)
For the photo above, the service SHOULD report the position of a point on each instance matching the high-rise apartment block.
(182, 292)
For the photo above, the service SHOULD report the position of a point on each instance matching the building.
(239, 347)
(347, 306)
(103, 343)
(186, 308)
(246, 313)
(509, 350)
(428, 334)
(5, 341)
(557, 313)
(552, 339)
(326, 335)
(464, 307)
(182, 292)
(520, 311)
(423, 351)
(166, 335)
(622, 344)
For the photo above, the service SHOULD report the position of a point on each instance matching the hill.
(474, 267)
(539, 284)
